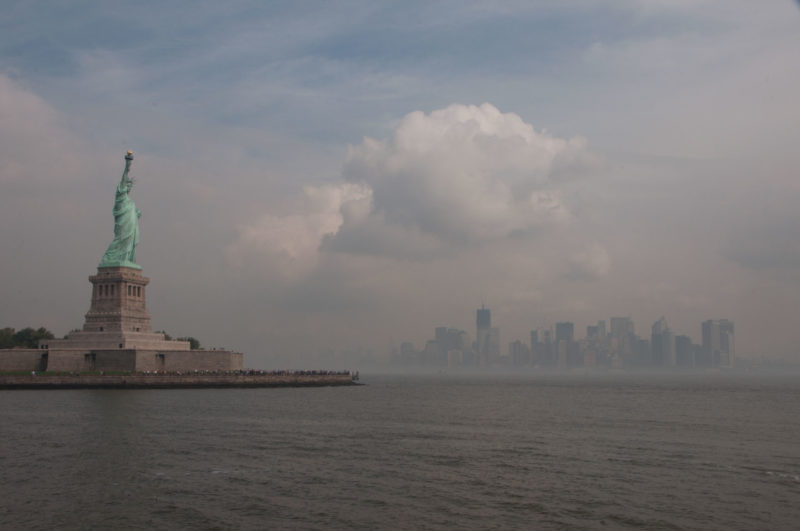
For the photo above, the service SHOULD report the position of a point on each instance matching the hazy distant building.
(642, 351)
(711, 342)
(433, 354)
(447, 342)
(668, 348)
(455, 358)
(493, 344)
(484, 318)
(408, 354)
(621, 326)
(662, 343)
(726, 343)
(601, 329)
(565, 331)
(622, 341)
(549, 354)
(483, 326)
(440, 335)
(569, 352)
(594, 348)
(519, 354)
(538, 351)
(718, 343)
(459, 339)
(684, 351)
(563, 351)
(590, 357)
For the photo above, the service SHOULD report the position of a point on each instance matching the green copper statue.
(122, 251)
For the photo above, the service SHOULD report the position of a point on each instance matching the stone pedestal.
(117, 317)
(118, 301)
(117, 335)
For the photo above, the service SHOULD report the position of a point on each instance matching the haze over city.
(316, 176)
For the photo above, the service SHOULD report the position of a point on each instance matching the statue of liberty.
(122, 251)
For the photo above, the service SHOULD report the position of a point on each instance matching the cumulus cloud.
(466, 174)
(289, 241)
(462, 176)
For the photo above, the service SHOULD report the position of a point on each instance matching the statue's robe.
(122, 251)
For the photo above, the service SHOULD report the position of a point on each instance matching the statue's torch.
(128, 161)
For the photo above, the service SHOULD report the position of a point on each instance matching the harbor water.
(710, 451)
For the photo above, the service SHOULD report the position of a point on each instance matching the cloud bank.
(461, 176)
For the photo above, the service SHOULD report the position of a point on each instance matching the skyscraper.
(519, 353)
(601, 329)
(483, 325)
(493, 344)
(684, 351)
(662, 344)
(718, 343)
(622, 337)
(621, 326)
(537, 349)
(565, 331)
(550, 355)
(711, 343)
(726, 343)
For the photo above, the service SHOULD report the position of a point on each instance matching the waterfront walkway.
(177, 380)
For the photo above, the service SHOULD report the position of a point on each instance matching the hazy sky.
(352, 174)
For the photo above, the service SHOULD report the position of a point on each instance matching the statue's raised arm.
(122, 250)
(128, 160)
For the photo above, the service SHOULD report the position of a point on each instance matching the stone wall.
(148, 360)
(83, 360)
(73, 360)
(113, 360)
(21, 359)
(115, 340)
(201, 360)
(143, 381)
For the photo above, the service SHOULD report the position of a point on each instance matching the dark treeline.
(25, 338)
(194, 343)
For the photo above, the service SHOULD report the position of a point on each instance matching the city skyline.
(558, 346)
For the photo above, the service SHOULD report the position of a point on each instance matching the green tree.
(194, 344)
(29, 338)
(7, 338)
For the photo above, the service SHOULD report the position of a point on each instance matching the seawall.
(172, 381)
